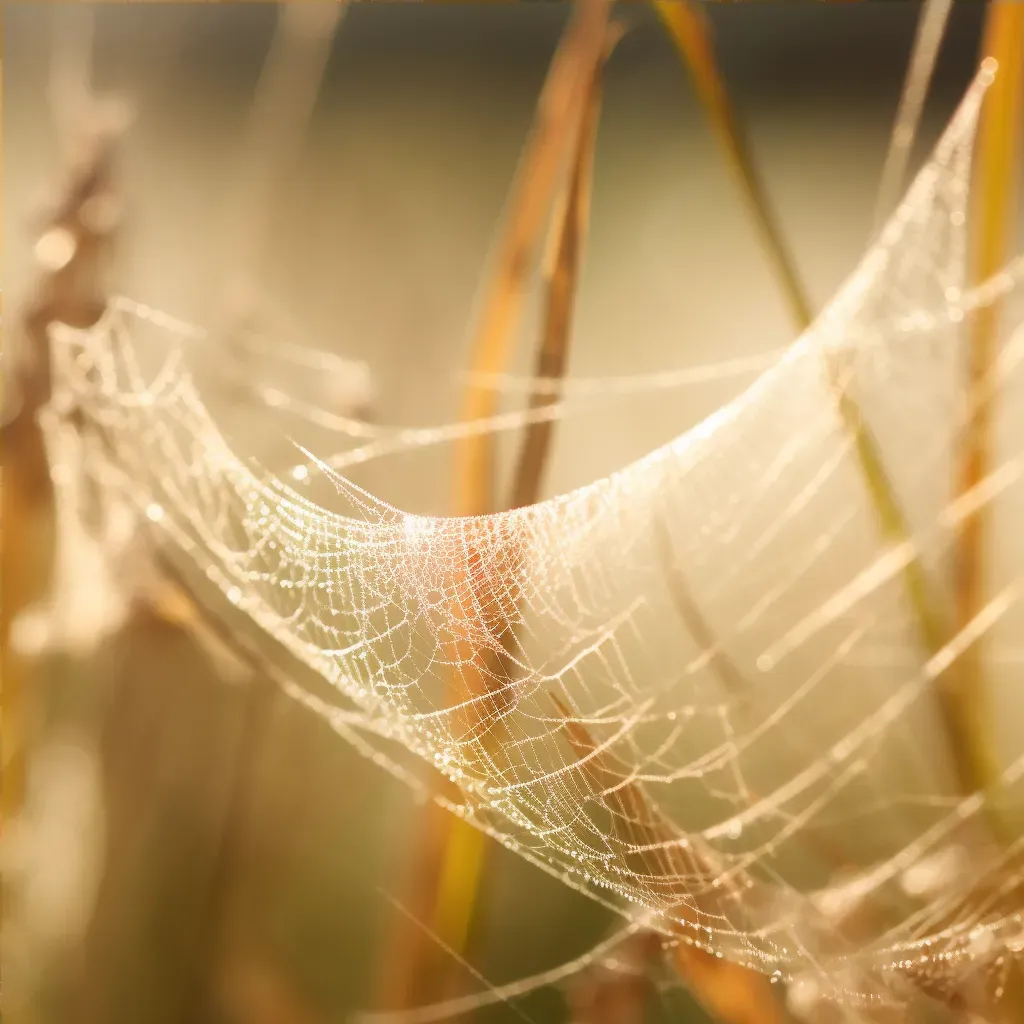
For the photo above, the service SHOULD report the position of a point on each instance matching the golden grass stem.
(733, 993)
(970, 746)
(691, 34)
(966, 699)
(963, 709)
(466, 852)
(931, 28)
(282, 108)
(451, 855)
(70, 294)
(553, 139)
(562, 270)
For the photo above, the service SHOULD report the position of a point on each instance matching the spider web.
(694, 690)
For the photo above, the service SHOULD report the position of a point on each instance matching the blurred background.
(265, 893)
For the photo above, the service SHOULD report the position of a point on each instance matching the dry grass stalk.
(466, 850)
(73, 249)
(962, 699)
(970, 749)
(555, 131)
(619, 993)
(285, 95)
(75, 236)
(738, 995)
(965, 697)
(450, 856)
(931, 28)
(71, 253)
(731, 992)
(562, 271)
(691, 34)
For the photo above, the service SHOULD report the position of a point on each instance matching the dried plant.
(451, 854)
(931, 27)
(52, 815)
(965, 695)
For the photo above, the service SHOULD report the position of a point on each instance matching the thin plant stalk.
(285, 97)
(71, 252)
(553, 140)
(282, 108)
(971, 752)
(689, 30)
(733, 993)
(562, 271)
(966, 698)
(466, 851)
(736, 994)
(450, 855)
(968, 733)
(931, 28)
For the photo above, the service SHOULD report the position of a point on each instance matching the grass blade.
(731, 992)
(451, 854)
(970, 751)
(931, 27)
(966, 699)
(466, 852)
(464, 861)
(691, 34)
(562, 267)
(66, 292)
(963, 707)
(553, 140)
(286, 93)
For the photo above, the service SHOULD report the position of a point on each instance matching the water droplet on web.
(803, 996)
(933, 872)
(55, 249)
(982, 943)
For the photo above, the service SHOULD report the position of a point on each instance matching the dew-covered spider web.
(696, 690)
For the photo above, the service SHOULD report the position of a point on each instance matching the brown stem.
(72, 251)
(931, 27)
(569, 236)
(450, 854)
(689, 30)
(554, 137)
(966, 701)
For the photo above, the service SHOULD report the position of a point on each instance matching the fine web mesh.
(694, 689)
